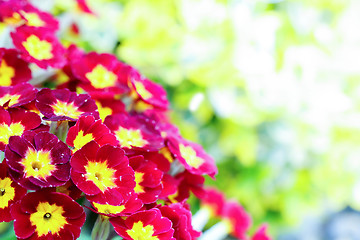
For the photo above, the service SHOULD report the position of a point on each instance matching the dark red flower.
(10, 192)
(192, 156)
(39, 46)
(180, 216)
(103, 173)
(14, 122)
(102, 72)
(13, 70)
(47, 215)
(130, 206)
(148, 179)
(148, 224)
(135, 132)
(38, 160)
(148, 91)
(61, 104)
(18, 95)
(214, 201)
(87, 129)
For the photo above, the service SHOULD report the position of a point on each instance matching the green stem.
(101, 228)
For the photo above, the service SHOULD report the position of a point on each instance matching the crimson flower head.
(149, 92)
(102, 72)
(214, 201)
(39, 46)
(148, 179)
(18, 95)
(35, 18)
(238, 220)
(192, 156)
(130, 206)
(38, 160)
(148, 224)
(10, 192)
(180, 216)
(61, 104)
(103, 173)
(47, 215)
(14, 122)
(13, 70)
(136, 132)
(87, 129)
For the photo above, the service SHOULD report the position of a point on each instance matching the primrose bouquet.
(84, 134)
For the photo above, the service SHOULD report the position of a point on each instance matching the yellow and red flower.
(148, 179)
(103, 174)
(135, 132)
(14, 122)
(10, 192)
(213, 201)
(148, 91)
(87, 129)
(61, 104)
(148, 224)
(102, 72)
(192, 156)
(13, 70)
(38, 160)
(47, 215)
(18, 95)
(33, 17)
(180, 216)
(129, 207)
(39, 46)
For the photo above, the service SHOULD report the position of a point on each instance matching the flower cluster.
(93, 131)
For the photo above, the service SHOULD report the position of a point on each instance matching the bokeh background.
(270, 88)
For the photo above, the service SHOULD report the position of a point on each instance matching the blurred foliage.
(269, 88)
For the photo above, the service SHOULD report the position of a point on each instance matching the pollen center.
(48, 219)
(33, 19)
(100, 77)
(66, 109)
(12, 99)
(141, 232)
(39, 49)
(6, 74)
(37, 164)
(139, 177)
(81, 140)
(101, 175)
(189, 154)
(6, 131)
(7, 192)
(130, 137)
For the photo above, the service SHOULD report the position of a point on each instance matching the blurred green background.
(270, 88)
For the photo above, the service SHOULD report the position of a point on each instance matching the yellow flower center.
(6, 74)
(81, 140)
(48, 219)
(103, 111)
(100, 77)
(130, 138)
(7, 192)
(189, 154)
(101, 175)
(14, 99)
(37, 164)
(141, 90)
(13, 20)
(6, 131)
(139, 177)
(39, 49)
(33, 19)
(109, 209)
(139, 232)
(66, 109)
